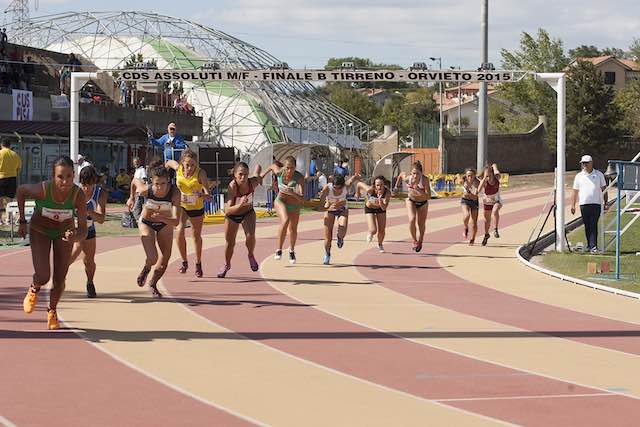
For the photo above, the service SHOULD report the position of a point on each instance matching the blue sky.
(307, 33)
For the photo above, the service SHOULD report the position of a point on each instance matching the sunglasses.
(172, 128)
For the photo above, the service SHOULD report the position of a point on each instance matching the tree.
(628, 102)
(540, 54)
(354, 102)
(592, 116)
(406, 111)
(635, 50)
(584, 51)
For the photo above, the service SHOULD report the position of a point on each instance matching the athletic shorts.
(194, 213)
(368, 210)
(473, 204)
(8, 187)
(91, 233)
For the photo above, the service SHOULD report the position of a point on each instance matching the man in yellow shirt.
(10, 164)
(123, 181)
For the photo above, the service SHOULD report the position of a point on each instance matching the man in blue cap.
(171, 142)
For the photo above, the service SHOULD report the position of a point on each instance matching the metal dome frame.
(280, 110)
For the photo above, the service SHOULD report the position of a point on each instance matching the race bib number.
(189, 199)
(287, 190)
(489, 199)
(156, 206)
(58, 215)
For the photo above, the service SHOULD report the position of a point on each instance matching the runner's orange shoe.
(52, 319)
(30, 300)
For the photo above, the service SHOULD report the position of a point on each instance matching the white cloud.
(308, 31)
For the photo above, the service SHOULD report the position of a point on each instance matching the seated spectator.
(142, 103)
(123, 181)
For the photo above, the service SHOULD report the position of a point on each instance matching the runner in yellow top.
(194, 189)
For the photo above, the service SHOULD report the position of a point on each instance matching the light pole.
(440, 128)
(459, 104)
(439, 59)
(483, 135)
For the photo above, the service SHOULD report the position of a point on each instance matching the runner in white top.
(333, 199)
(377, 197)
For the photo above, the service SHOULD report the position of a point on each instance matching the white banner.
(59, 101)
(22, 105)
(324, 75)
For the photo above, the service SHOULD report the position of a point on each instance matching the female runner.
(417, 203)
(52, 225)
(96, 212)
(239, 211)
(491, 200)
(159, 216)
(377, 197)
(469, 203)
(333, 199)
(288, 203)
(194, 190)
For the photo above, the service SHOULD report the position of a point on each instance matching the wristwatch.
(22, 221)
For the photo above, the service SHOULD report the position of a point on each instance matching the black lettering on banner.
(389, 75)
(205, 75)
(245, 75)
(348, 76)
(335, 76)
(265, 76)
(447, 76)
(308, 76)
(279, 75)
(466, 76)
(506, 77)
(423, 76)
(489, 77)
(145, 75)
(480, 77)
(412, 76)
(433, 76)
(378, 76)
(232, 75)
(360, 76)
(126, 75)
(322, 76)
(456, 75)
(174, 76)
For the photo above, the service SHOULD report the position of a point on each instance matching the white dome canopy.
(247, 115)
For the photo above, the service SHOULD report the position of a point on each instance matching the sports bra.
(250, 193)
(490, 189)
(340, 197)
(92, 203)
(419, 186)
(290, 186)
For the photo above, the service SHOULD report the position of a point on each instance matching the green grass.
(575, 264)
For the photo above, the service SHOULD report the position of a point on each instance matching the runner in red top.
(239, 211)
(419, 193)
(491, 200)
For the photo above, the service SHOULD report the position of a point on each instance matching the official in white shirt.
(588, 186)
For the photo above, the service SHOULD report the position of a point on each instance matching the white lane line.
(334, 371)
(443, 348)
(6, 423)
(15, 253)
(174, 387)
(542, 396)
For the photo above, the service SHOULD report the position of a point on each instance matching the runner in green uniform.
(52, 225)
(288, 203)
